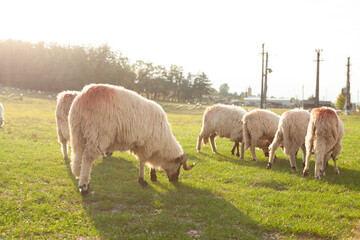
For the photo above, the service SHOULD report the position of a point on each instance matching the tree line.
(53, 68)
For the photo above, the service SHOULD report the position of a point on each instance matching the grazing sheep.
(259, 129)
(2, 119)
(291, 134)
(105, 117)
(64, 101)
(223, 121)
(324, 136)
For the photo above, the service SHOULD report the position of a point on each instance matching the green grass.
(222, 197)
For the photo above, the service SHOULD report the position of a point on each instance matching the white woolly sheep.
(324, 136)
(223, 121)
(105, 117)
(291, 134)
(64, 101)
(259, 129)
(2, 119)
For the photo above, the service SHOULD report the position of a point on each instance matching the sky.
(221, 38)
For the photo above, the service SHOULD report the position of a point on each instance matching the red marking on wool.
(97, 95)
(324, 114)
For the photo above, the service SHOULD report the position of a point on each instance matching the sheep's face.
(174, 175)
(173, 170)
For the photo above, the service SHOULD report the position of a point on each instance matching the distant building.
(252, 101)
(271, 102)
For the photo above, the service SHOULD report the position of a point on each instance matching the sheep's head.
(174, 170)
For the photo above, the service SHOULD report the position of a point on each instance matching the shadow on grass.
(121, 209)
(347, 177)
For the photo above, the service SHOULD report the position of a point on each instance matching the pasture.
(222, 197)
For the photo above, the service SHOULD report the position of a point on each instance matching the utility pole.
(317, 78)
(265, 80)
(347, 100)
(262, 79)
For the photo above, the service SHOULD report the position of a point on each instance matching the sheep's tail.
(246, 136)
(77, 146)
(309, 140)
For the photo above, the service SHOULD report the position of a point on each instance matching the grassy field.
(222, 197)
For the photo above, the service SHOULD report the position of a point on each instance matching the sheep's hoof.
(104, 155)
(142, 182)
(266, 154)
(66, 158)
(84, 189)
(153, 176)
(232, 153)
(268, 166)
(337, 171)
(294, 168)
(318, 178)
(255, 160)
(109, 154)
(305, 173)
(198, 150)
(237, 154)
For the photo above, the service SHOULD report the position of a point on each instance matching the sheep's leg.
(212, 141)
(307, 162)
(198, 146)
(335, 153)
(237, 149)
(253, 154)
(141, 179)
(293, 161)
(274, 145)
(88, 158)
(336, 168)
(153, 176)
(303, 149)
(236, 146)
(64, 149)
(242, 151)
(233, 149)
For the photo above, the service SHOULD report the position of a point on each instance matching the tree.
(224, 90)
(311, 98)
(202, 86)
(175, 77)
(340, 102)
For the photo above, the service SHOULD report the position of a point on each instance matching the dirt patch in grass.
(355, 233)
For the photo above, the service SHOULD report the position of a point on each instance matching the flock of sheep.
(320, 131)
(104, 118)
